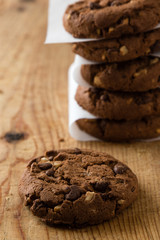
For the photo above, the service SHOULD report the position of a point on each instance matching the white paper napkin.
(56, 32)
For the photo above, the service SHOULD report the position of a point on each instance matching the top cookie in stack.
(111, 18)
(125, 35)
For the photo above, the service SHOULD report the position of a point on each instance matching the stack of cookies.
(125, 79)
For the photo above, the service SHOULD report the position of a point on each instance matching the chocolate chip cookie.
(77, 187)
(119, 105)
(118, 50)
(138, 75)
(111, 18)
(119, 131)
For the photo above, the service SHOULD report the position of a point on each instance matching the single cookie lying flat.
(138, 75)
(77, 188)
(119, 105)
(119, 131)
(118, 50)
(111, 18)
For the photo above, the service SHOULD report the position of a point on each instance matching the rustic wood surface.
(33, 102)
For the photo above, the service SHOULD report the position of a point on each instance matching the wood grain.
(33, 101)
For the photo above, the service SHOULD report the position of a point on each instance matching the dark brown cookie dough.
(77, 187)
(138, 75)
(111, 18)
(119, 131)
(118, 50)
(119, 105)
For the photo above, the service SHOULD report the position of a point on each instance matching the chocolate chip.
(102, 124)
(74, 193)
(35, 168)
(100, 186)
(143, 100)
(77, 151)
(105, 98)
(111, 163)
(50, 172)
(104, 196)
(32, 161)
(159, 79)
(94, 90)
(94, 5)
(44, 166)
(120, 181)
(37, 204)
(133, 189)
(60, 157)
(119, 168)
(39, 208)
(51, 153)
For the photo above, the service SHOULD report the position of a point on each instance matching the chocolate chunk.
(133, 189)
(120, 180)
(37, 204)
(50, 172)
(143, 100)
(60, 157)
(100, 186)
(94, 90)
(74, 193)
(111, 163)
(119, 168)
(105, 98)
(104, 196)
(44, 166)
(38, 208)
(35, 168)
(51, 153)
(77, 151)
(94, 5)
(32, 161)
(102, 125)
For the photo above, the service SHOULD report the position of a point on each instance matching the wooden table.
(33, 102)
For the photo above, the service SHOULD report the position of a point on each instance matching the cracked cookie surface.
(138, 75)
(119, 131)
(119, 105)
(118, 50)
(77, 187)
(111, 18)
